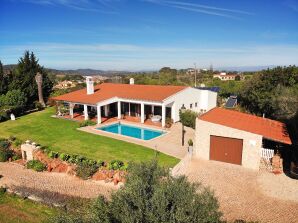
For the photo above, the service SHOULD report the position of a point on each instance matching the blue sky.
(150, 34)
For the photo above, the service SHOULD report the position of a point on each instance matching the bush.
(115, 165)
(53, 154)
(17, 143)
(190, 142)
(87, 123)
(5, 151)
(2, 190)
(100, 163)
(64, 156)
(188, 118)
(36, 165)
(16, 156)
(151, 195)
(12, 138)
(4, 144)
(84, 170)
(3, 115)
(38, 106)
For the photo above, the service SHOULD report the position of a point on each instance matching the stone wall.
(252, 143)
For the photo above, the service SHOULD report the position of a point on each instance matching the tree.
(15, 98)
(3, 80)
(24, 78)
(152, 195)
(259, 93)
(167, 76)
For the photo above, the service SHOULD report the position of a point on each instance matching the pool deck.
(169, 143)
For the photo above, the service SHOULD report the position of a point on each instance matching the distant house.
(65, 84)
(234, 137)
(111, 100)
(228, 77)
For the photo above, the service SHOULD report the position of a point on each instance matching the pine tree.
(24, 78)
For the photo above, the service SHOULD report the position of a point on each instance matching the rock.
(34, 198)
(100, 175)
(115, 181)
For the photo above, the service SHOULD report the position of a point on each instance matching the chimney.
(89, 84)
(131, 81)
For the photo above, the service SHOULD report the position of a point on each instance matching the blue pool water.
(132, 131)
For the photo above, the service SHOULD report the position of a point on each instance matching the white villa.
(143, 103)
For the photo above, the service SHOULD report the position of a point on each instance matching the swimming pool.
(132, 131)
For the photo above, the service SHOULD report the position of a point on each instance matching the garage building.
(235, 137)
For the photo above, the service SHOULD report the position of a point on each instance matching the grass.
(62, 136)
(14, 209)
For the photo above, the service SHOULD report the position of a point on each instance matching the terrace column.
(163, 115)
(173, 114)
(152, 109)
(85, 112)
(98, 114)
(129, 109)
(106, 110)
(142, 113)
(119, 110)
(71, 106)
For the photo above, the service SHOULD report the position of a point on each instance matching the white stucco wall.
(205, 100)
(252, 143)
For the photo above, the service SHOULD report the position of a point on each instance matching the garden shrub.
(16, 156)
(3, 115)
(87, 123)
(17, 143)
(38, 106)
(5, 151)
(53, 154)
(150, 195)
(115, 164)
(100, 163)
(2, 190)
(4, 144)
(64, 157)
(36, 165)
(124, 167)
(85, 170)
(12, 138)
(188, 118)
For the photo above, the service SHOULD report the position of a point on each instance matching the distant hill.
(84, 72)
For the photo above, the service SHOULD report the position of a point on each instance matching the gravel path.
(17, 175)
(246, 194)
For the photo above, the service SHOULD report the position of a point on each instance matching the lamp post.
(182, 111)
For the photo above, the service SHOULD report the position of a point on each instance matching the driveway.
(246, 194)
(15, 175)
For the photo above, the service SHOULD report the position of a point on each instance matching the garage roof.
(269, 129)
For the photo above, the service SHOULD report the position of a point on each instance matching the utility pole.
(195, 74)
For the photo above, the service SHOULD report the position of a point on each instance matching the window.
(196, 104)
(190, 106)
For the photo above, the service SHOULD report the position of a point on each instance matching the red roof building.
(140, 101)
(269, 129)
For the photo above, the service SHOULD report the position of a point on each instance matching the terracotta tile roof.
(106, 91)
(269, 129)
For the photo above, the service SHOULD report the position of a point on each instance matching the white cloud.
(136, 57)
(200, 8)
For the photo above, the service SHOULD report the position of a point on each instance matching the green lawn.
(14, 209)
(63, 136)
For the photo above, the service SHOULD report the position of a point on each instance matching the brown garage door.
(225, 149)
